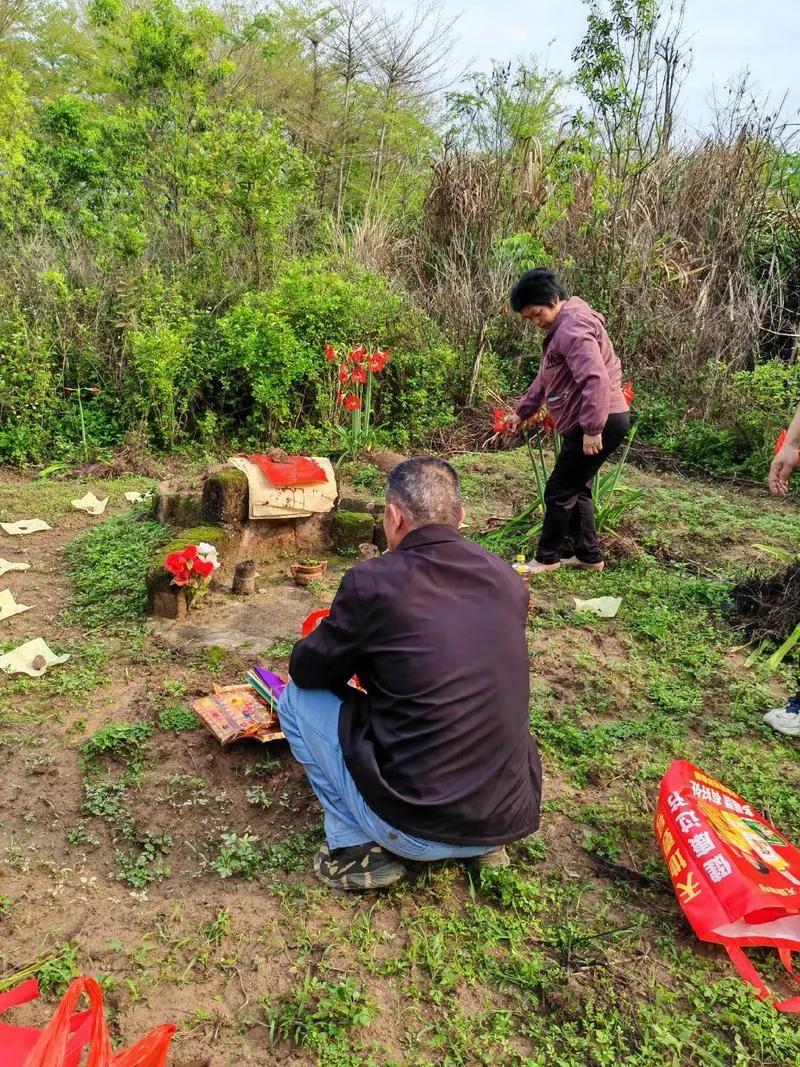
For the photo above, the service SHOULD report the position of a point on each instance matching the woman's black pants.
(569, 511)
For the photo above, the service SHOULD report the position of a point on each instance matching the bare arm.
(786, 460)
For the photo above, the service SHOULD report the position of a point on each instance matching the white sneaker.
(784, 721)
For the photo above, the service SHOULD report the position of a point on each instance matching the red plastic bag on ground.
(68, 1034)
(298, 471)
(736, 877)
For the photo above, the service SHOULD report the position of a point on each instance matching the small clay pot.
(303, 575)
(244, 578)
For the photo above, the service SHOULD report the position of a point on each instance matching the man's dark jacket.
(440, 745)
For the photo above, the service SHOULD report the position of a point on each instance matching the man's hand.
(512, 423)
(782, 466)
(592, 444)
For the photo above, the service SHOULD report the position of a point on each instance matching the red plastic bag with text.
(736, 877)
(68, 1035)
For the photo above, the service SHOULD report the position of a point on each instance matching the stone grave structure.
(218, 511)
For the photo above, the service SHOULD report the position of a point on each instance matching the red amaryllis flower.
(340, 397)
(330, 354)
(358, 354)
(628, 392)
(353, 403)
(95, 389)
(359, 375)
(499, 417)
(547, 422)
(344, 374)
(378, 360)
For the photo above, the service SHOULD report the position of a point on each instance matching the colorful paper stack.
(268, 686)
(236, 712)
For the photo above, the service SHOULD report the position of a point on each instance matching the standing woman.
(580, 380)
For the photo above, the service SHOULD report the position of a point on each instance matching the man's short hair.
(427, 491)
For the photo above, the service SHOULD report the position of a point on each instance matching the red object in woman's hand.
(313, 621)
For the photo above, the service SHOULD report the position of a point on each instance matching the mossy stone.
(226, 497)
(349, 529)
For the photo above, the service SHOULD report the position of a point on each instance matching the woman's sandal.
(535, 567)
(573, 561)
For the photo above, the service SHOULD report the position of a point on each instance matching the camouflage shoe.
(359, 867)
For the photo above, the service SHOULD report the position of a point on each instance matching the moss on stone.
(349, 529)
(225, 497)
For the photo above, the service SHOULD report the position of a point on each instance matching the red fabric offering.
(298, 471)
(68, 1035)
(736, 877)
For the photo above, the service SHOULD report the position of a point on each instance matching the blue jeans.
(310, 720)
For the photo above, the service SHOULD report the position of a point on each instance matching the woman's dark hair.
(537, 288)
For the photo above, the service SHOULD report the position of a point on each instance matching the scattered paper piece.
(90, 504)
(9, 606)
(138, 498)
(7, 565)
(604, 606)
(22, 659)
(24, 526)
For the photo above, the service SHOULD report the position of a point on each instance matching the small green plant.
(139, 871)
(319, 1015)
(262, 767)
(239, 855)
(79, 835)
(122, 742)
(178, 719)
(258, 797)
(282, 649)
(56, 973)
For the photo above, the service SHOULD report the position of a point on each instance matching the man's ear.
(394, 514)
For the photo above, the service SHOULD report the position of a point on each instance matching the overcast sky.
(725, 36)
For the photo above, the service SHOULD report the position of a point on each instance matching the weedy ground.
(134, 848)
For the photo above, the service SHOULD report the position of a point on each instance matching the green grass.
(108, 567)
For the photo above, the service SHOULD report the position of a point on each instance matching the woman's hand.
(781, 469)
(592, 444)
(512, 423)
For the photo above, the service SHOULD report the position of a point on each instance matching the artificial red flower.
(499, 420)
(358, 355)
(344, 374)
(378, 360)
(330, 353)
(353, 403)
(628, 392)
(179, 567)
(203, 567)
(359, 375)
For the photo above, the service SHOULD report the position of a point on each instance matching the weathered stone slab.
(225, 498)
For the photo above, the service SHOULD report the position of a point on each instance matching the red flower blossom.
(203, 567)
(95, 389)
(359, 375)
(339, 397)
(780, 442)
(499, 420)
(330, 353)
(547, 422)
(628, 392)
(353, 403)
(358, 355)
(378, 360)
(344, 374)
(187, 568)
